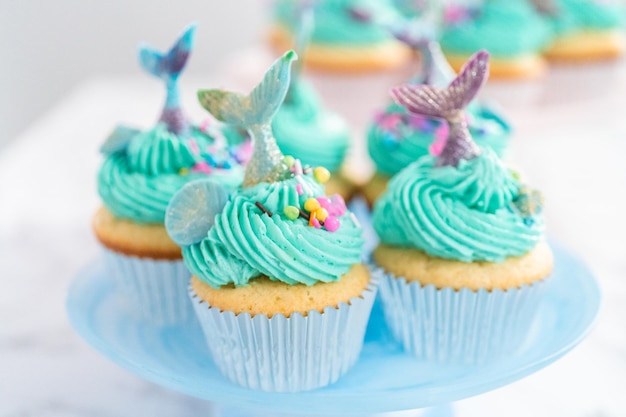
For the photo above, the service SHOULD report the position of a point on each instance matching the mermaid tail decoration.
(449, 103)
(255, 112)
(168, 67)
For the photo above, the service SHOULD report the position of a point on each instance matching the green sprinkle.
(291, 212)
(289, 160)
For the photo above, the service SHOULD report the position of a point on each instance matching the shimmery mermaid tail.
(168, 66)
(255, 112)
(449, 103)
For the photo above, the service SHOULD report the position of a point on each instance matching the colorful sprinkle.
(194, 147)
(312, 219)
(289, 161)
(299, 189)
(311, 205)
(297, 166)
(291, 212)
(321, 214)
(332, 224)
(183, 171)
(321, 175)
(263, 209)
(356, 221)
(202, 167)
(304, 214)
(337, 205)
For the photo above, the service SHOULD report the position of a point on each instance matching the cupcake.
(585, 30)
(345, 38)
(512, 31)
(397, 137)
(278, 284)
(141, 172)
(306, 130)
(462, 255)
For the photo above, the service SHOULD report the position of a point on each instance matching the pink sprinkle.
(204, 126)
(331, 224)
(298, 167)
(194, 147)
(337, 205)
(325, 203)
(390, 121)
(202, 167)
(299, 189)
(316, 223)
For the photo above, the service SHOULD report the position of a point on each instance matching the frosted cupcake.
(511, 31)
(397, 137)
(278, 283)
(345, 37)
(463, 256)
(585, 30)
(140, 173)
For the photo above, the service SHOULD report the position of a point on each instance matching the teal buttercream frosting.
(465, 213)
(504, 28)
(138, 181)
(245, 242)
(576, 15)
(398, 138)
(305, 130)
(335, 23)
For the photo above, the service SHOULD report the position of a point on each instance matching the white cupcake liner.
(464, 326)
(151, 290)
(280, 354)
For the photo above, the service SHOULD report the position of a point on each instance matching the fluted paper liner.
(464, 326)
(280, 354)
(152, 290)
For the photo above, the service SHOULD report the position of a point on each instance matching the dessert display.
(398, 137)
(140, 173)
(278, 281)
(462, 255)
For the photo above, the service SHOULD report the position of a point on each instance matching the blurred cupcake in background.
(278, 281)
(397, 137)
(511, 31)
(584, 30)
(141, 172)
(462, 257)
(306, 130)
(345, 38)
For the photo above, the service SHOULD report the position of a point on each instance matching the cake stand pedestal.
(384, 382)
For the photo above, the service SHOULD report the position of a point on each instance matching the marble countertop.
(570, 139)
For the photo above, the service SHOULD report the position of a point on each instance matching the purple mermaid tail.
(449, 104)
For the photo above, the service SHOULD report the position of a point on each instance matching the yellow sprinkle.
(311, 205)
(321, 175)
(321, 214)
(183, 171)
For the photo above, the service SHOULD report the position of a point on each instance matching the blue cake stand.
(383, 380)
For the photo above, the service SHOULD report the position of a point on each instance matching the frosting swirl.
(465, 213)
(398, 138)
(573, 15)
(245, 242)
(504, 28)
(302, 128)
(138, 182)
(335, 23)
